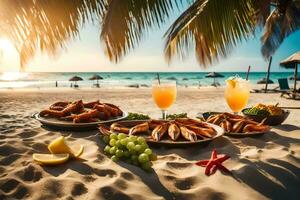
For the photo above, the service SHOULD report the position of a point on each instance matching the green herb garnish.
(137, 116)
(176, 116)
(256, 111)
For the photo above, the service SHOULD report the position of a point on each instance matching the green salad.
(257, 111)
(176, 116)
(137, 116)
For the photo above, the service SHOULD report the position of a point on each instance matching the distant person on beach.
(56, 84)
(71, 85)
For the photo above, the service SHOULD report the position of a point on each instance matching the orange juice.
(164, 94)
(237, 94)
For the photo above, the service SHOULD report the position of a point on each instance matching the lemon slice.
(77, 150)
(50, 159)
(232, 82)
(59, 146)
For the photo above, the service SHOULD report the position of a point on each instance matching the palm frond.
(126, 21)
(212, 27)
(283, 21)
(45, 25)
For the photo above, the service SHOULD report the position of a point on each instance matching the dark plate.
(168, 142)
(65, 125)
(271, 120)
(207, 114)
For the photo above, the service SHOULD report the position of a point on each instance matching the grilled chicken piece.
(238, 126)
(173, 131)
(159, 131)
(104, 129)
(188, 134)
(140, 128)
(154, 123)
(202, 132)
(119, 128)
(255, 128)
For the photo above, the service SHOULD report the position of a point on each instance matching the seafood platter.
(236, 125)
(180, 131)
(79, 114)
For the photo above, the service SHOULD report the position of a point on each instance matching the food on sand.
(232, 123)
(214, 163)
(60, 152)
(59, 146)
(131, 149)
(50, 159)
(264, 110)
(181, 128)
(82, 112)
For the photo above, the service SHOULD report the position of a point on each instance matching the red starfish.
(214, 163)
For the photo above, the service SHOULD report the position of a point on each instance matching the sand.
(265, 167)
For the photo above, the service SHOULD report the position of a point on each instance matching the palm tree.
(211, 27)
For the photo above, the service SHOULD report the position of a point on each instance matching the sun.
(6, 46)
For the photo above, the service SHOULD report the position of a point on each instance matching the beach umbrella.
(264, 81)
(75, 79)
(292, 63)
(214, 75)
(97, 78)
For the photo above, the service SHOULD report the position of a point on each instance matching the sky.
(85, 54)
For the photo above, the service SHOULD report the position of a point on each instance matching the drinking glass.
(164, 94)
(237, 93)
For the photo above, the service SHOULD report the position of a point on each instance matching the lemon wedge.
(59, 146)
(50, 159)
(232, 82)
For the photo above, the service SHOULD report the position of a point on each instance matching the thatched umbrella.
(292, 63)
(75, 79)
(264, 81)
(97, 78)
(214, 75)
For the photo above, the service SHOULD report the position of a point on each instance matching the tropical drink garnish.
(237, 93)
(50, 159)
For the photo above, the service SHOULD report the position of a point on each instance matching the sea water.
(117, 79)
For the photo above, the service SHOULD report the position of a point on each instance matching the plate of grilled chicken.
(176, 132)
(236, 125)
(79, 114)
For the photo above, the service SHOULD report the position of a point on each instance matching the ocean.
(117, 79)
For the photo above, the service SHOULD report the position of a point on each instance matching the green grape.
(137, 148)
(121, 136)
(118, 143)
(119, 153)
(106, 149)
(114, 158)
(143, 158)
(105, 139)
(112, 142)
(141, 140)
(126, 154)
(124, 141)
(132, 138)
(113, 136)
(130, 145)
(153, 157)
(134, 157)
(146, 166)
(133, 152)
(112, 150)
(148, 151)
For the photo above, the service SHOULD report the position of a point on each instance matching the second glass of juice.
(164, 94)
(237, 93)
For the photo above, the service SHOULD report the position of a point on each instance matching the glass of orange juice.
(237, 93)
(164, 94)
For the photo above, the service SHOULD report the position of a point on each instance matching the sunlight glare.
(12, 76)
(6, 46)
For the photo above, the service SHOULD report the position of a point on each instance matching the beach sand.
(264, 167)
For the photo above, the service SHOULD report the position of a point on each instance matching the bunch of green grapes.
(131, 149)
